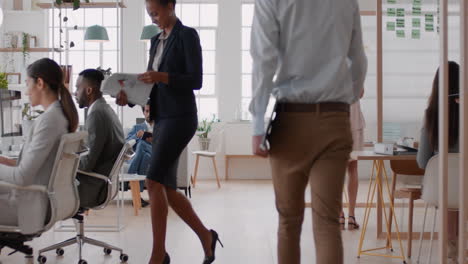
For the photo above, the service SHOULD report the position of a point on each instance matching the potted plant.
(28, 116)
(3, 81)
(25, 48)
(203, 130)
(76, 3)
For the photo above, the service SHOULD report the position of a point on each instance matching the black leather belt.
(319, 107)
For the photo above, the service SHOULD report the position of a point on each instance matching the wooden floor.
(242, 212)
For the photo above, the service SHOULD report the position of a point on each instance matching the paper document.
(137, 91)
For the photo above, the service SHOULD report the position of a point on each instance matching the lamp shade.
(96, 33)
(149, 32)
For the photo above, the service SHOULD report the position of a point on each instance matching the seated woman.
(142, 134)
(34, 166)
(429, 141)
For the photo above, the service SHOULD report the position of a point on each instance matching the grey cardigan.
(34, 167)
(425, 151)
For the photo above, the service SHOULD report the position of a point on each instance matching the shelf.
(83, 5)
(30, 50)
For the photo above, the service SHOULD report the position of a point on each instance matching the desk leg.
(135, 188)
(369, 200)
(226, 168)
(392, 209)
(379, 167)
(392, 201)
(382, 205)
(378, 170)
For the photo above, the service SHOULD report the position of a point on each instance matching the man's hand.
(121, 98)
(256, 142)
(140, 133)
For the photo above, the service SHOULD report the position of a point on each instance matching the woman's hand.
(140, 133)
(7, 161)
(121, 98)
(150, 77)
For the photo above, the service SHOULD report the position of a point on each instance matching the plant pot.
(204, 143)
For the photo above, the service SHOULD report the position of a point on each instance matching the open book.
(137, 91)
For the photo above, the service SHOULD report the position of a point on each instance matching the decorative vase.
(204, 143)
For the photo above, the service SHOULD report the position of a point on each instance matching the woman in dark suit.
(175, 69)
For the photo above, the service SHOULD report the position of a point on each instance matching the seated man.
(105, 137)
(142, 133)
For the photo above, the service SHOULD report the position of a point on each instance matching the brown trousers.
(310, 147)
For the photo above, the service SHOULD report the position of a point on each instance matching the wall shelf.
(31, 50)
(84, 5)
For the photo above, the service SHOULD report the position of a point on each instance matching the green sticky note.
(416, 34)
(416, 22)
(390, 26)
(400, 22)
(400, 33)
(430, 27)
(391, 1)
(429, 18)
(391, 12)
(400, 12)
(416, 10)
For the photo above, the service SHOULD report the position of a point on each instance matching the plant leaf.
(76, 4)
(58, 2)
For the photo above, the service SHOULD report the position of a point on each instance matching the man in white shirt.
(309, 55)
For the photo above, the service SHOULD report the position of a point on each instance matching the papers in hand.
(137, 91)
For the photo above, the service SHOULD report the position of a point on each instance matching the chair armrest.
(83, 152)
(35, 188)
(95, 175)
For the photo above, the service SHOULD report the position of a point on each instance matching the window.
(85, 54)
(247, 18)
(204, 18)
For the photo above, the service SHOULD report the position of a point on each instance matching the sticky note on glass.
(391, 1)
(400, 22)
(416, 22)
(390, 26)
(416, 34)
(400, 12)
(429, 17)
(430, 27)
(400, 33)
(391, 12)
(416, 10)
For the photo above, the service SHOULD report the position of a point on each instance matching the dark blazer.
(182, 60)
(105, 141)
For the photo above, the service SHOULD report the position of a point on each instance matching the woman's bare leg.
(159, 210)
(181, 205)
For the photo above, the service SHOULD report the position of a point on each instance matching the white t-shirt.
(159, 50)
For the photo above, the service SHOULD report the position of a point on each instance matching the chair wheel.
(124, 257)
(60, 251)
(41, 259)
(82, 261)
(107, 251)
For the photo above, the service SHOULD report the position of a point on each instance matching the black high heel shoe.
(167, 259)
(214, 239)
